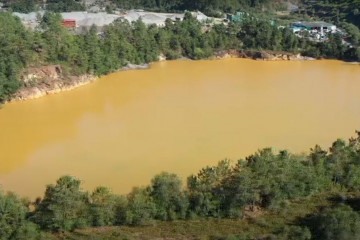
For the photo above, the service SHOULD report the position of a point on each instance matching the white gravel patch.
(85, 19)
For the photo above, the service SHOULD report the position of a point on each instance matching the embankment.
(46, 80)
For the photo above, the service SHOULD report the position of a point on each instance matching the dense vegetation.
(334, 10)
(26, 6)
(208, 6)
(123, 42)
(64, 5)
(262, 182)
(22, 6)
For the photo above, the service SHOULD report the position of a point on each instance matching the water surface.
(178, 116)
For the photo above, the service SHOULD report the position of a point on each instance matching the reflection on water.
(177, 116)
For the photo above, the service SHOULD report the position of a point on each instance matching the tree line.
(336, 11)
(27, 6)
(208, 6)
(122, 42)
(264, 179)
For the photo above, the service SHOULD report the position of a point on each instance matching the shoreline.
(48, 80)
(53, 82)
(262, 55)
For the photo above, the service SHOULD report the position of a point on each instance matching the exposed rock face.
(42, 73)
(162, 57)
(46, 80)
(135, 66)
(227, 54)
(273, 56)
(262, 55)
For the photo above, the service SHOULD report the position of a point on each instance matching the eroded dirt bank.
(42, 81)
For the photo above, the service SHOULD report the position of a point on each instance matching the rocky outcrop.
(227, 54)
(162, 57)
(33, 75)
(135, 66)
(273, 56)
(46, 80)
(262, 55)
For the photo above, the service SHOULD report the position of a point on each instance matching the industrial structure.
(315, 31)
(321, 27)
(240, 16)
(69, 23)
(78, 22)
(237, 17)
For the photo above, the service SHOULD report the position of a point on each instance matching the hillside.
(207, 6)
(211, 7)
(122, 43)
(334, 10)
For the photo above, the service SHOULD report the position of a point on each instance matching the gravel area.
(85, 19)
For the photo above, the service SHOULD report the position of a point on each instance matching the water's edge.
(48, 80)
(177, 116)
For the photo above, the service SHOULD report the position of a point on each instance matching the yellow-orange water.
(178, 116)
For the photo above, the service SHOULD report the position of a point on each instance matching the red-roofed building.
(69, 23)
